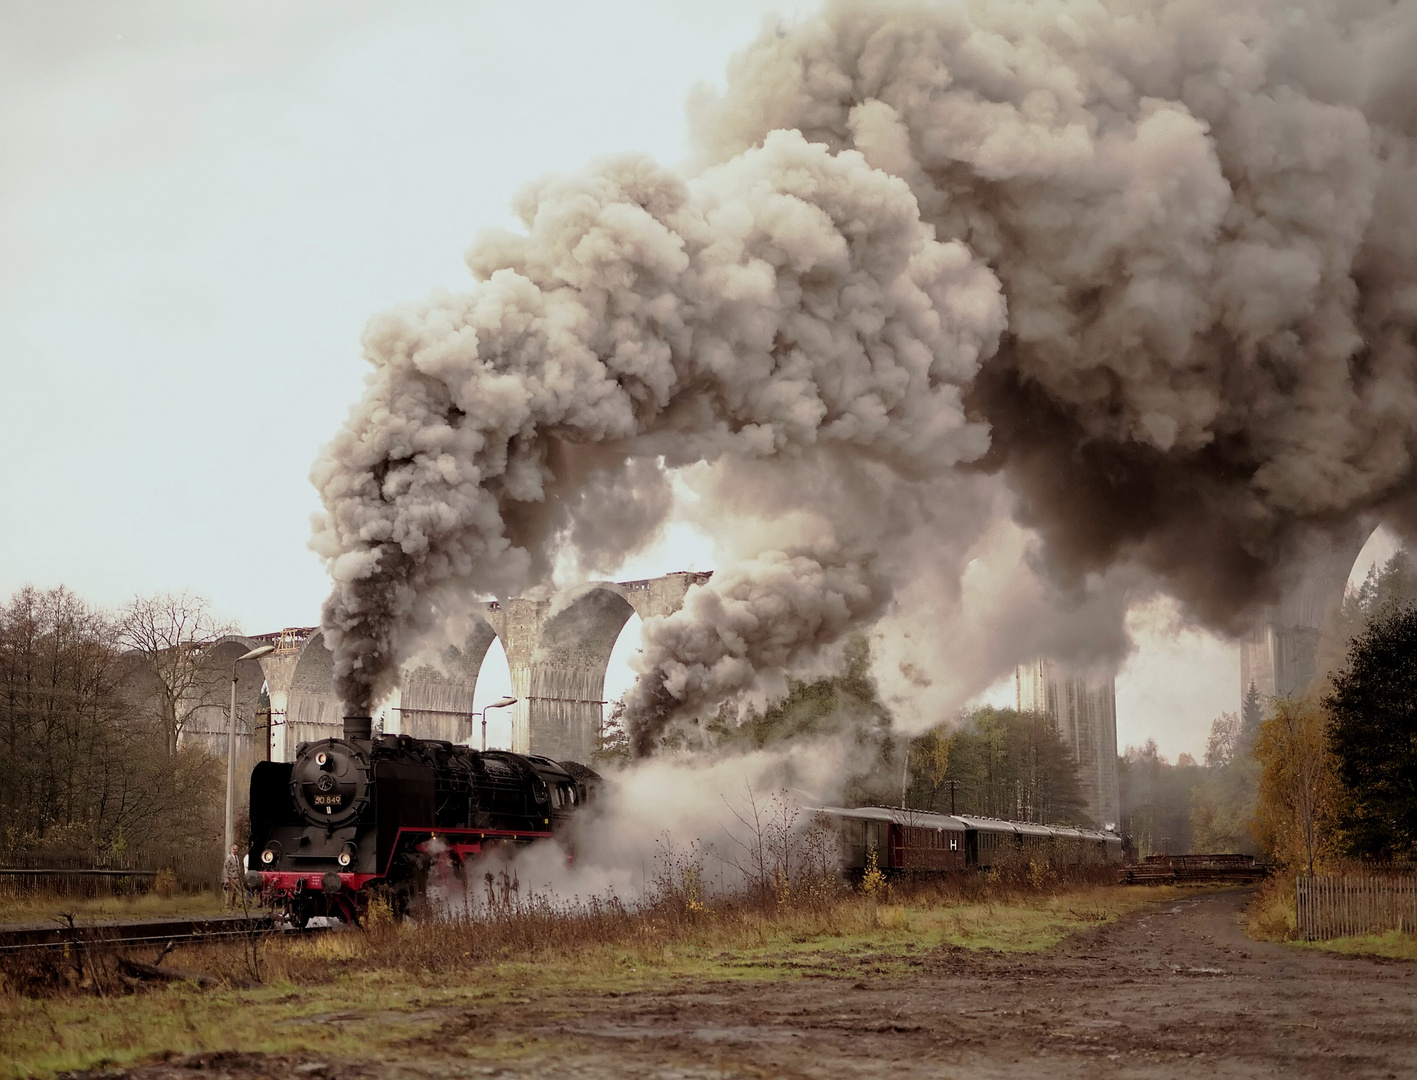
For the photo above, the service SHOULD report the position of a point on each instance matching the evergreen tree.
(1392, 584)
(1001, 763)
(1372, 712)
(1251, 716)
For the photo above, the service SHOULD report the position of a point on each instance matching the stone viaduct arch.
(436, 702)
(557, 651)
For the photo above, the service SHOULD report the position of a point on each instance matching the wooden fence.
(1330, 907)
(86, 873)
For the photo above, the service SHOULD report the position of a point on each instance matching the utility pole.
(231, 747)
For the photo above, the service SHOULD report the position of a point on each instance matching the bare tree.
(168, 635)
(81, 772)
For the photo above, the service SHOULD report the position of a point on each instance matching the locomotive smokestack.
(358, 727)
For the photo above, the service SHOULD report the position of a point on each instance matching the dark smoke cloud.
(1148, 265)
(1203, 218)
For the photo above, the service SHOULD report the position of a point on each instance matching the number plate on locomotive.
(327, 800)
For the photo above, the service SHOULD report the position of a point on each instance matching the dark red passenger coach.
(915, 841)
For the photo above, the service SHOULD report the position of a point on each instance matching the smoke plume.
(785, 304)
(1138, 276)
(1202, 216)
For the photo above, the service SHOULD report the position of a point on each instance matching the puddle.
(384, 1016)
(709, 1033)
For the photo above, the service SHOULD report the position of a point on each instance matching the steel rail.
(26, 938)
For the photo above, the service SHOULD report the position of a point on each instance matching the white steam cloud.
(1139, 275)
(668, 808)
(788, 304)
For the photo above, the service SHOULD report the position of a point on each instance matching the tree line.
(998, 763)
(93, 705)
(1310, 780)
(1338, 764)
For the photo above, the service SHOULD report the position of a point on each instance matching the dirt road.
(1176, 991)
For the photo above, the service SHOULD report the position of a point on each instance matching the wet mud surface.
(1174, 991)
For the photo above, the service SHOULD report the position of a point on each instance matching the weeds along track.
(19, 939)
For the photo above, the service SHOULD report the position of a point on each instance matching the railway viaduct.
(1279, 656)
(557, 650)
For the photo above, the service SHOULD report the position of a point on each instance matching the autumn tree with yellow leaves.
(1298, 786)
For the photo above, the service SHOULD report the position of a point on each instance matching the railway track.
(122, 933)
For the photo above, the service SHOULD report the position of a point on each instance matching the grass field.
(1393, 945)
(42, 907)
(356, 992)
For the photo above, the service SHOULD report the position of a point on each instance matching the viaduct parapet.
(557, 648)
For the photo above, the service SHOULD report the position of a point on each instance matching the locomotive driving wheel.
(299, 910)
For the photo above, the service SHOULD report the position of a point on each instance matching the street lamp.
(500, 703)
(261, 650)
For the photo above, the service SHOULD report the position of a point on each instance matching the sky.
(200, 207)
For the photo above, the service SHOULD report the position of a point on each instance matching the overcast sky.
(200, 207)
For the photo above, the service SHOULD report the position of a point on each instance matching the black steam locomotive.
(356, 814)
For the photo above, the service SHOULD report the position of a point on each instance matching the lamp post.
(261, 650)
(500, 703)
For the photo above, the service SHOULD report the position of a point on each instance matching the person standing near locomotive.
(231, 883)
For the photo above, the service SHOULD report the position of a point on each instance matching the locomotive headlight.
(268, 856)
(322, 759)
(344, 859)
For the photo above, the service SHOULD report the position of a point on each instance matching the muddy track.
(1175, 991)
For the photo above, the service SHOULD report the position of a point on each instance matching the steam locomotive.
(354, 814)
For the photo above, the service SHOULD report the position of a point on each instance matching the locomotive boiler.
(354, 814)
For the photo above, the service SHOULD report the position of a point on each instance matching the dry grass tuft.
(1271, 915)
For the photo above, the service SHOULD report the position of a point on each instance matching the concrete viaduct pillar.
(1278, 656)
